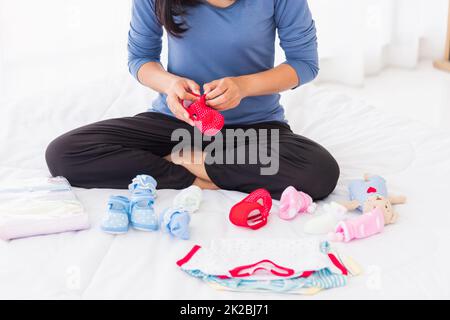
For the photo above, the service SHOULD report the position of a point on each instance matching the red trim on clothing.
(338, 264)
(306, 274)
(237, 272)
(188, 256)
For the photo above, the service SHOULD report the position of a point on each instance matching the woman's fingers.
(217, 92)
(188, 96)
(224, 94)
(178, 110)
(185, 89)
(182, 89)
(229, 104)
(182, 94)
(193, 87)
(208, 87)
(184, 115)
(218, 100)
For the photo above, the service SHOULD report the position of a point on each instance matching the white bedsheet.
(409, 260)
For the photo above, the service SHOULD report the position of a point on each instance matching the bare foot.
(202, 181)
(205, 185)
(194, 162)
(168, 157)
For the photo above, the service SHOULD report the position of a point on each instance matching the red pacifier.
(206, 119)
(252, 212)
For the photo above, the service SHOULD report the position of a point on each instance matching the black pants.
(108, 154)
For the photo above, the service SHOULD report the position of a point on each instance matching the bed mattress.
(408, 260)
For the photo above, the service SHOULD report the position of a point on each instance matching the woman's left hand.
(224, 94)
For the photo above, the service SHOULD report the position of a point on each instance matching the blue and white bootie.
(176, 223)
(142, 214)
(116, 220)
(143, 182)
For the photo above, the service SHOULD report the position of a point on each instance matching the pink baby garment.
(364, 226)
(39, 206)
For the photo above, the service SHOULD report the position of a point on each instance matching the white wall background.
(50, 45)
(56, 44)
(360, 37)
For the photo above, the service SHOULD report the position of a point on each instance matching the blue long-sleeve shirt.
(231, 41)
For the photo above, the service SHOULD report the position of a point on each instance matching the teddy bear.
(371, 193)
(369, 196)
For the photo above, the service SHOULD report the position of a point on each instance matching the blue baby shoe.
(176, 223)
(143, 182)
(116, 220)
(143, 192)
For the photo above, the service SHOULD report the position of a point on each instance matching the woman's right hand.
(181, 89)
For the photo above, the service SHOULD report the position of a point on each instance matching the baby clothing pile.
(38, 206)
(300, 266)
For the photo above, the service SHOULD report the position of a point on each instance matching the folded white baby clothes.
(38, 206)
(259, 259)
(300, 266)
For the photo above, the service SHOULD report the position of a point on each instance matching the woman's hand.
(181, 89)
(224, 94)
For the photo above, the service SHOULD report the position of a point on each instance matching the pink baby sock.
(295, 202)
(366, 225)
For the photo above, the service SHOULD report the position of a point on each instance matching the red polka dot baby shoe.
(206, 119)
